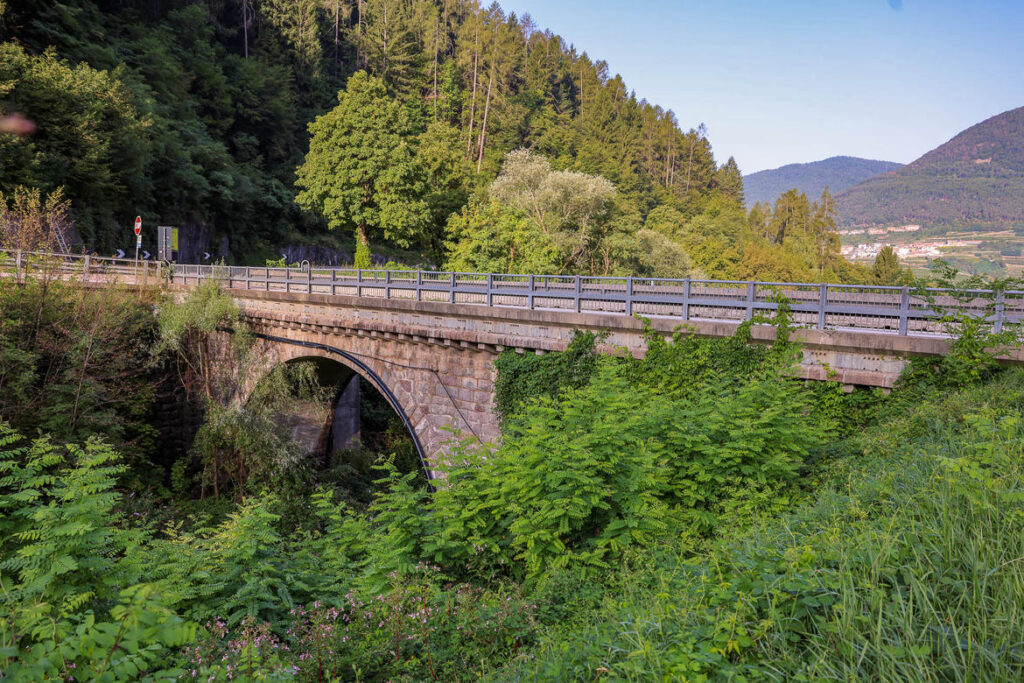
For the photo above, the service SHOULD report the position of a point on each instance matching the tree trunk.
(689, 167)
(483, 126)
(245, 25)
(359, 33)
(472, 98)
(437, 39)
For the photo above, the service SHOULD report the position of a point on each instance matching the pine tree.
(886, 269)
(729, 181)
(826, 239)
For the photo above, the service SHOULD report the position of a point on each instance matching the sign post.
(166, 243)
(138, 236)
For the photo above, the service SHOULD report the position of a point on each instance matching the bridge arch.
(433, 389)
(293, 350)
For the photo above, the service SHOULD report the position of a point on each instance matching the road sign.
(167, 243)
(120, 253)
(138, 225)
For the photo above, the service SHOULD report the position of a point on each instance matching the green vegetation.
(976, 180)
(698, 513)
(194, 113)
(433, 132)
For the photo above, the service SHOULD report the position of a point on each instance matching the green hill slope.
(974, 180)
(835, 173)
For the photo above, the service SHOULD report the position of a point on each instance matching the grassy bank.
(906, 564)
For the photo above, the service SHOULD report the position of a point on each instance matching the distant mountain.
(836, 173)
(974, 180)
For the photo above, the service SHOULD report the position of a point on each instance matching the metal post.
(85, 269)
(387, 284)
(334, 279)
(629, 296)
(451, 292)
(686, 299)
(1000, 301)
(529, 297)
(822, 305)
(490, 285)
(904, 310)
(359, 282)
(309, 279)
(751, 291)
(248, 277)
(419, 285)
(17, 266)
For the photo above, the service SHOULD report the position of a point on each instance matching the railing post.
(629, 296)
(1000, 305)
(248, 277)
(419, 285)
(334, 280)
(686, 299)
(309, 279)
(451, 291)
(822, 304)
(529, 297)
(85, 269)
(490, 285)
(359, 282)
(904, 310)
(17, 266)
(751, 292)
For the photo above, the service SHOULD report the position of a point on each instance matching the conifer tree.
(826, 239)
(729, 181)
(886, 269)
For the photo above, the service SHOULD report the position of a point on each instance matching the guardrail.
(883, 309)
(84, 267)
(893, 310)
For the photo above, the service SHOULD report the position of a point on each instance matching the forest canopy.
(258, 124)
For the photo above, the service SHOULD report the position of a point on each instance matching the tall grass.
(907, 565)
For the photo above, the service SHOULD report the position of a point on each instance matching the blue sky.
(784, 81)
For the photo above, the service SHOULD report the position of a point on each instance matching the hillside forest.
(974, 181)
(437, 133)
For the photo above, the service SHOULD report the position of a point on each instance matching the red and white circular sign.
(138, 225)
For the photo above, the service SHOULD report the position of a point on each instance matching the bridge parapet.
(821, 306)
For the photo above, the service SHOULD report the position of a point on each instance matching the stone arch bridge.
(427, 340)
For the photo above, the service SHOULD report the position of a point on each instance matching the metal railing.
(84, 267)
(883, 309)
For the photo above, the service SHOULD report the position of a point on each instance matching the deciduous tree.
(361, 171)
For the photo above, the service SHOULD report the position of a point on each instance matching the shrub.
(73, 602)
(904, 566)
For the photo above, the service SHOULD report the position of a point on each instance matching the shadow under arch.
(367, 373)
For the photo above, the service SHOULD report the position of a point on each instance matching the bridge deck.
(883, 310)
